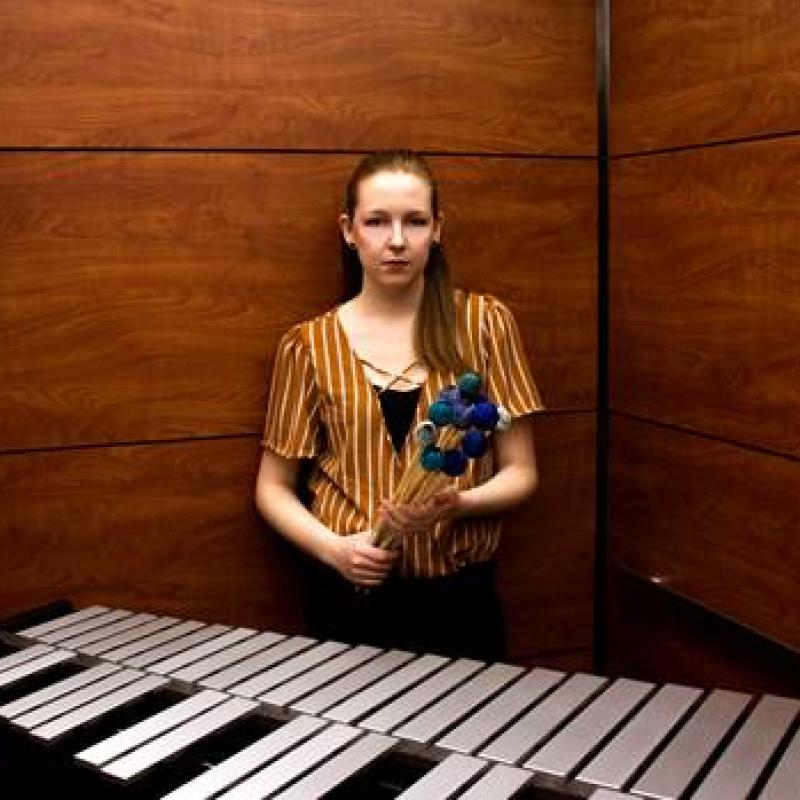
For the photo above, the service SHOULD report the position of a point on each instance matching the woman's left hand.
(420, 517)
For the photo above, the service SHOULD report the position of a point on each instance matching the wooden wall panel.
(142, 295)
(149, 269)
(688, 72)
(547, 558)
(656, 635)
(526, 231)
(452, 75)
(170, 528)
(711, 522)
(705, 291)
(166, 528)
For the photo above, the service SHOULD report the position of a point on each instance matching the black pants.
(459, 616)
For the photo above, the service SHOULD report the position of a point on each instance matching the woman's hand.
(420, 517)
(359, 562)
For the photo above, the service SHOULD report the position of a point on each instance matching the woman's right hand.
(361, 563)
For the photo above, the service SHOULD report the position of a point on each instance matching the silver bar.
(605, 794)
(88, 624)
(341, 767)
(150, 728)
(615, 765)
(174, 662)
(32, 666)
(310, 681)
(425, 727)
(246, 761)
(121, 654)
(518, 740)
(186, 640)
(179, 739)
(562, 754)
(257, 663)
(783, 781)
(352, 682)
(385, 689)
(499, 783)
(80, 716)
(743, 761)
(124, 625)
(479, 727)
(288, 669)
(60, 622)
(411, 702)
(668, 777)
(49, 693)
(26, 654)
(157, 624)
(231, 655)
(73, 700)
(446, 779)
(271, 779)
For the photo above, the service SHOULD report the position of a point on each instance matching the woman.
(348, 389)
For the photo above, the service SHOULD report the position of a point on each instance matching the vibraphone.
(159, 707)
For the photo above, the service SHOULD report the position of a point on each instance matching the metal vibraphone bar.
(154, 706)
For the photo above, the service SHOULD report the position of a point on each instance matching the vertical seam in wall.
(603, 67)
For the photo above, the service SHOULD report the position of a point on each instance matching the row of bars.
(491, 719)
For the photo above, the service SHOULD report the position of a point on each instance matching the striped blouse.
(322, 406)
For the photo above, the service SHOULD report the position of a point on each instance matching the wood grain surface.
(653, 635)
(455, 75)
(710, 522)
(526, 231)
(170, 528)
(705, 291)
(142, 295)
(686, 72)
(167, 528)
(546, 570)
(143, 289)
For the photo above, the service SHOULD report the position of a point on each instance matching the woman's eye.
(419, 221)
(373, 221)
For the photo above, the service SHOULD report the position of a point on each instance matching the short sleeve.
(293, 428)
(509, 379)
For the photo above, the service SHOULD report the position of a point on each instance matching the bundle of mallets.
(458, 428)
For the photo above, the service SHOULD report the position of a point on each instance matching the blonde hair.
(434, 332)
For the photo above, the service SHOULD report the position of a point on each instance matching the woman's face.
(392, 228)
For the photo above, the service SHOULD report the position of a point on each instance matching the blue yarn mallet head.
(465, 408)
(462, 415)
(450, 394)
(440, 413)
(469, 384)
(432, 459)
(455, 463)
(484, 416)
(474, 444)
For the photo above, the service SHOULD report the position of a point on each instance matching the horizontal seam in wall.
(759, 137)
(672, 426)
(294, 151)
(126, 443)
(207, 438)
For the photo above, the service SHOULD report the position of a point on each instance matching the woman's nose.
(397, 237)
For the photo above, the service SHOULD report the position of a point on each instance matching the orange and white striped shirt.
(322, 406)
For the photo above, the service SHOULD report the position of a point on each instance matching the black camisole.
(398, 412)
